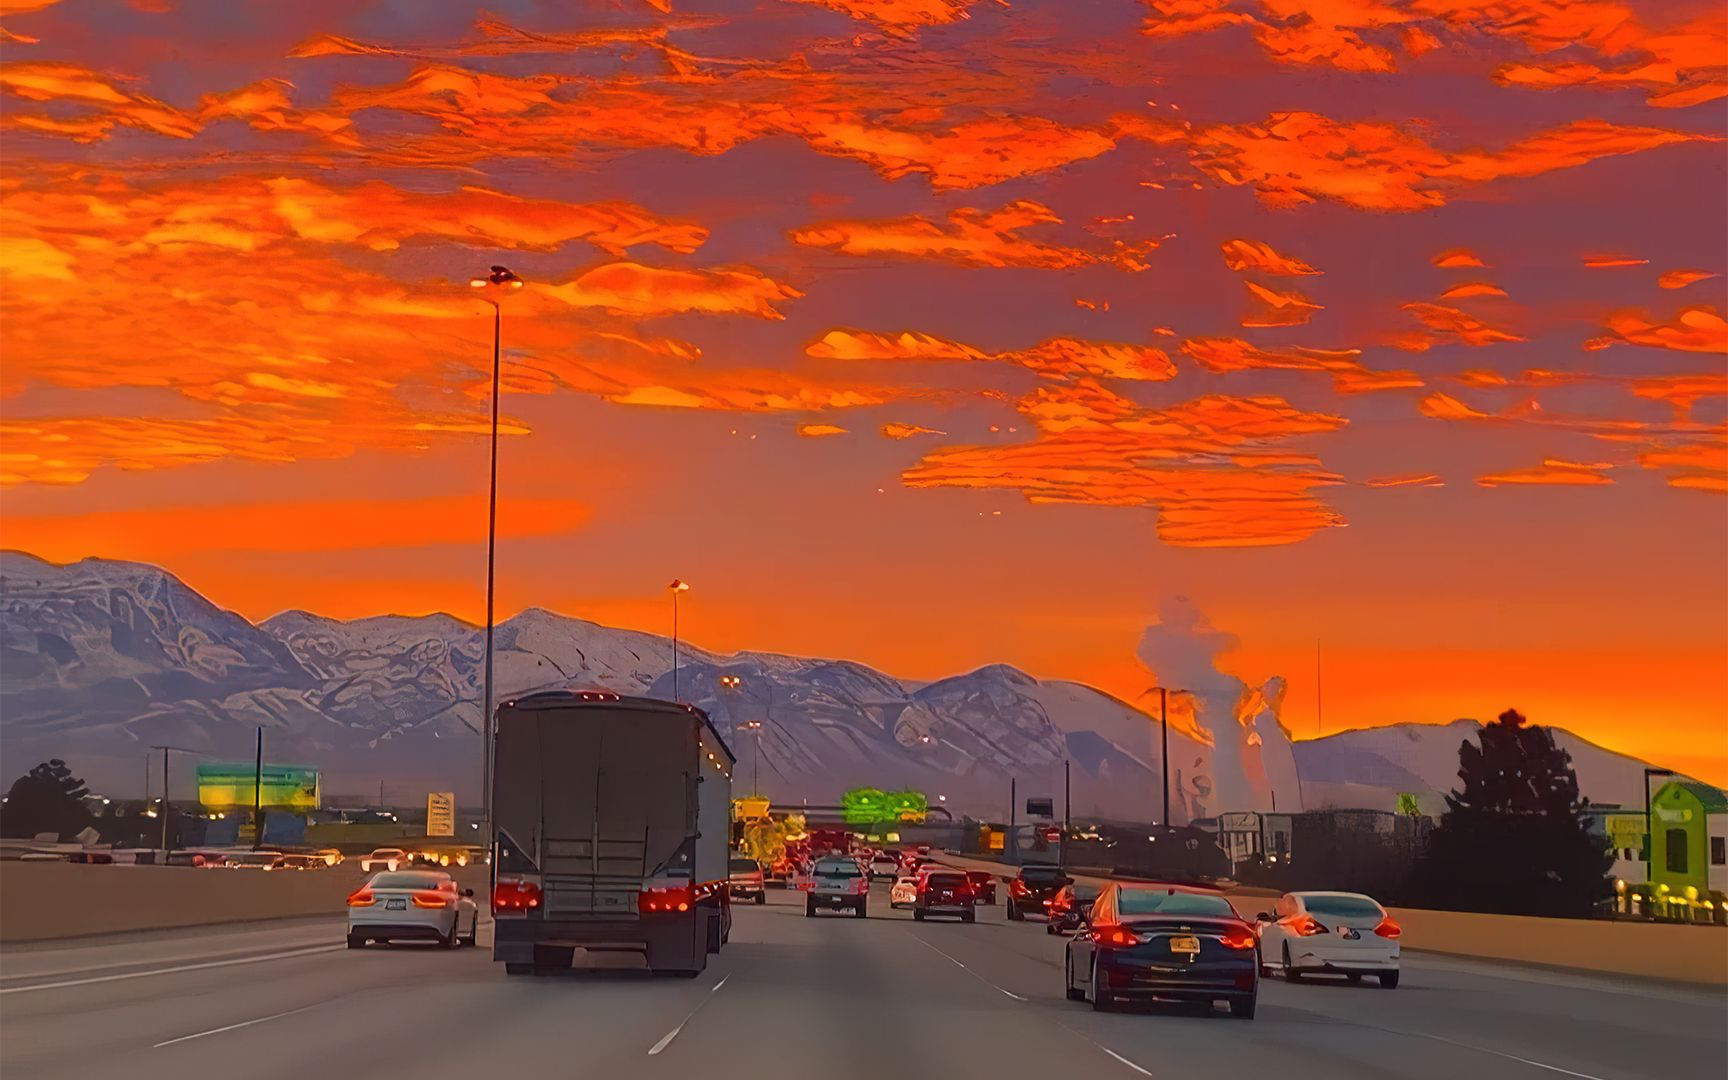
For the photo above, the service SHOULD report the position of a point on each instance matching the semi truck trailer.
(610, 818)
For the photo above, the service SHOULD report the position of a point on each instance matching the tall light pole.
(165, 806)
(1164, 745)
(492, 286)
(678, 585)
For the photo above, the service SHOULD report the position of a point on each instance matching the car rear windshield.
(1165, 902)
(1343, 907)
(744, 866)
(1040, 873)
(1086, 893)
(946, 881)
(838, 868)
(409, 881)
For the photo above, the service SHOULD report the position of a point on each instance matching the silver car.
(837, 882)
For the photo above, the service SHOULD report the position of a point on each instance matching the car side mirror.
(467, 892)
(1263, 917)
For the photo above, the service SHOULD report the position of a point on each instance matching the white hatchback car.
(904, 892)
(1329, 933)
(423, 905)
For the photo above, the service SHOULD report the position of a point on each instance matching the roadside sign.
(1041, 807)
(441, 813)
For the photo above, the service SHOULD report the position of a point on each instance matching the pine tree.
(1515, 839)
(46, 799)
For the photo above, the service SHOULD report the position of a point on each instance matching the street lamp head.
(500, 275)
(679, 585)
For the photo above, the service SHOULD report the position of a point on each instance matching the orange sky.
(927, 333)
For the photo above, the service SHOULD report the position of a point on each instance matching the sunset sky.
(926, 333)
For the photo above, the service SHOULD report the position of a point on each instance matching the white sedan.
(384, 858)
(904, 892)
(422, 905)
(1329, 933)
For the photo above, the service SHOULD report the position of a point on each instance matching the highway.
(828, 998)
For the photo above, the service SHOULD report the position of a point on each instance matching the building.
(1689, 838)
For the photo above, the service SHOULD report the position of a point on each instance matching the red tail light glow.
(1388, 928)
(362, 898)
(514, 896)
(1307, 926)
(432, 898)
(1239, 938)
(676, 898)
(1114, 937)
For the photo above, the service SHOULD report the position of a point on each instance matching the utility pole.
(676, 587)
(1319, 705)
(1164, 749)
(1067, 807)
(167, 809)
(258, 794)
(1009, 847)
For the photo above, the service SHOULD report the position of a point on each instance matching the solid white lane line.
(170, 970)
(1495, 1053)
(666, 1039)
(1123, 1060)
(968, 970)
(233, 1027)
(60, 973)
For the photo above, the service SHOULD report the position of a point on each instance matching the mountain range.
(102, 659)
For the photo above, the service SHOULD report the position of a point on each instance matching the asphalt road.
(829, 998)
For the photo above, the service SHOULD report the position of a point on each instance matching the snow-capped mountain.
(101, 659)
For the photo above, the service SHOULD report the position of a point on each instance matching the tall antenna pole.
(1319, 706)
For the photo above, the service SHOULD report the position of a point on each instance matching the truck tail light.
(1239, 938)
(515, 896)
(1307, 926)
(431, 898)
(676, 898)
(361, 898)
(1388, 928)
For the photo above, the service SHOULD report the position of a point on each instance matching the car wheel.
(1242, 1008)
(1013, 912)
(1073, 992)
(1354, 978)
(511, 968)
(762, 897)
(355, 941)
(918, 913)
(473, 938)
(449, 941)
(968, 916)
(1389, 980)
(1290, 973)
(1101, 1000)
(810, 908)
(862, 910)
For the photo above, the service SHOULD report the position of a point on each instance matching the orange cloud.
(1277, 308)
(1296, 158)
(897, 430)
(160, 533)
(110, 105)
(901, 18)
(1610, 262)
(1552, 471)
(1404, 480)
(1449, 324)
(1467, 289)
(1057, 358)
(1253, 255)
(1679, 279)
(819, 431)
(970, 238)
(1349, 376)
(1694, 329)
(1458, 259)
(629, 288)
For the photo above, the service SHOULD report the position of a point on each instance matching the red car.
(942, 891)
(983, 885)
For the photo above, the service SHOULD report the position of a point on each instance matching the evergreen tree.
(46, 799)
(1515, 839)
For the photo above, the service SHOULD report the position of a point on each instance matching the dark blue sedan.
(1143, 941)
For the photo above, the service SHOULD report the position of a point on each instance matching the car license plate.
(395, 905)
(1189, 945)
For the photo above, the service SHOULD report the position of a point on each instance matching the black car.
(1032, 892)
(1145, 941)
(1069, 907)
(944, 892)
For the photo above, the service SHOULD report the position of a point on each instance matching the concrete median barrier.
(42, 901)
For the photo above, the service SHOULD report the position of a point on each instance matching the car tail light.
(1239, 938)
(432, 898)
(362, 898)
(676, 898)
(515, 896)
(1018, 887)
(1307, 926)
(1114, 937)
(1388, 928)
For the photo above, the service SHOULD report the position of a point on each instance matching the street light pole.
(676, 587)
(166, 809)
(499, 279)
(1164, 745)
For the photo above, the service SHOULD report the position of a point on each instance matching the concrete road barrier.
(42, 901)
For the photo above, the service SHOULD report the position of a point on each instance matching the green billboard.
(870, 806)
(226, 785)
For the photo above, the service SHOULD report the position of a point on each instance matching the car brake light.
(1388, 928)
(676, 898)
(431, 898)
(1307, 926)
(515, 896)
(1239, 938)
(362, 898)
(1114, 937)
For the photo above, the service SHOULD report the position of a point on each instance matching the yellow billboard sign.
(441, 813)
(750, 808)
